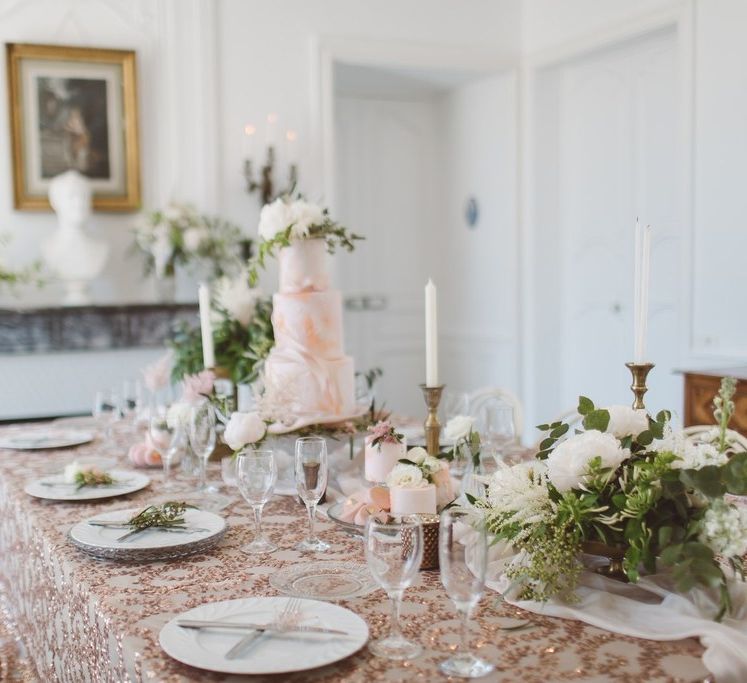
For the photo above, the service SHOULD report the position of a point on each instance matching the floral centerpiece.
(287, 219)
(242, 332)
(630, 482)
(179, 235)
(465, 439)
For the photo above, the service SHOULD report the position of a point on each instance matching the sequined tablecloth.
(86, 620)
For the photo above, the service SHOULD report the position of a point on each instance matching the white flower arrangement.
(419, 470)
(287, 220)
(661, 499)
(179, 235)
(460, 430)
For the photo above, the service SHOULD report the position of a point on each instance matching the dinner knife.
(189, 623)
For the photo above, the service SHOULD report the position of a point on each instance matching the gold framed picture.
(74, 107)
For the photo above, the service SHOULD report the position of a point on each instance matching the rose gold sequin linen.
(82, 619)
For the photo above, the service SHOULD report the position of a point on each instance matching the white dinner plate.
(36, 438)
(106, 537)
(275, 654)
(53, 487)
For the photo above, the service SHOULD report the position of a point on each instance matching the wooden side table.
(701, 386)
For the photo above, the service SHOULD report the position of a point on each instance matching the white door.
(386, 162)
(614, 156)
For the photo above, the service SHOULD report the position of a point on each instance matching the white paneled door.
(613, 154)
(386, 165)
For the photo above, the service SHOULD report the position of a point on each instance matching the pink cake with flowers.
(385, 447)
(308, 365)
(420, 485)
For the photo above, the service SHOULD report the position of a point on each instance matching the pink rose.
(196, 387)
(143, 454)
(444, 488)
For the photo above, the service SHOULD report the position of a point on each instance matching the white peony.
(71, 472)
(405, 476)
(417, 455)
(178, 414)
(459, 428)
(432, 465)
(274, 218)
(568, 463)
(237, 298)
(625, 421)
(691, 454)
(304, 215)
(243, 429)
(194, 237)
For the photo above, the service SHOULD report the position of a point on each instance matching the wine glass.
(256, 474)
(495, 422)
(202, 437)
(167, 438)
(394, 551)
(311, 481)
(463, 566)
(107, 410)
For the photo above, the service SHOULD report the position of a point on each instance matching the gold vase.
(614, 553)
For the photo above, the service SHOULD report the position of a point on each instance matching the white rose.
(303, 216)
(243, 429)
(178, 414)
(567, 464)
(238, 298)
(417, 454)
(71, 471)
(193, 238)
(405, 476)
(625, 421)
(432, 465)
(459, 427)
(274, 218)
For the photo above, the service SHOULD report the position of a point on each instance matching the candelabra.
(265, 184)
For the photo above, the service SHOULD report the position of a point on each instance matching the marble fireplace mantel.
(89, 328)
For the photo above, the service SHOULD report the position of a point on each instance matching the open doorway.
(425, 166)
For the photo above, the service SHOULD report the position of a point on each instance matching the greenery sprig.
(169, 515)
(92, 477)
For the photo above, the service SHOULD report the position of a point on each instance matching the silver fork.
(290, 616)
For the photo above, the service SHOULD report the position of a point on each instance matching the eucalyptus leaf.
(597, 419)
(585, 405)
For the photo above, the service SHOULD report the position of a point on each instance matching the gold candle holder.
(432, 397)
(640, 372)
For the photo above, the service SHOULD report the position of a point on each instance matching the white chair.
(700, 433)
(482, 397)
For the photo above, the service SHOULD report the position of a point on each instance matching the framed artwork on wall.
(73, 107)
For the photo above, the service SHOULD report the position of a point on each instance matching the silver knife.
(188, 623)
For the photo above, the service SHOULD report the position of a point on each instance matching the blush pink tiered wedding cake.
(308, 366)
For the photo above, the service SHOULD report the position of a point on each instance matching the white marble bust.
(74, 256)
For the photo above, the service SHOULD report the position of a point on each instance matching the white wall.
(177, 100)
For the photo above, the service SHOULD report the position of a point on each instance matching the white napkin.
(651, 609)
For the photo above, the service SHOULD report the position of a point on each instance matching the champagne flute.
(256, 474)
(463, 567)
(107, 411)
(202, 437)
(394, 551)
(311, 481)
(167, 439)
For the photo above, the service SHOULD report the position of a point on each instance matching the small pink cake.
(381, 458)
(413, 500)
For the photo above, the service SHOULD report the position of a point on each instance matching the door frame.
(679, 17)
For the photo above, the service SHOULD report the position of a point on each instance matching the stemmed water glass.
(202, 437)
(311, 482)
(256, 474)
(167, 439)
(463, 563)
(394, 551)
(107, 410)
(495, 422)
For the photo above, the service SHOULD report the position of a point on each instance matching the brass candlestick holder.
(432, 397)
(640, 372)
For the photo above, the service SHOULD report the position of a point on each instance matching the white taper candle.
(206, 327)
(431, 335)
